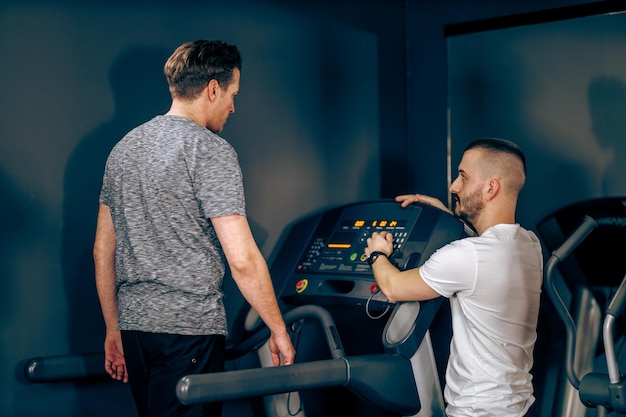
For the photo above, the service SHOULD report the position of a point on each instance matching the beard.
(468, 208)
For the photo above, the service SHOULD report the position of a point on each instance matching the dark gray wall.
(558, 89)
(341, 101)
(76, 76)
(427, 79)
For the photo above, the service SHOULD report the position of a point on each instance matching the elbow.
(392, 299)
(391, 296)
(103, 255)
(245, 266)
(100, 254)
(96, 253)
(387, 289)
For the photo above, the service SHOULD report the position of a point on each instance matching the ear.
(492, 188)
(212, 90)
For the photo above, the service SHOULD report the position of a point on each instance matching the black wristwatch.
(373, 256)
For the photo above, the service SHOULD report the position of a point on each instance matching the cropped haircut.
(193, 64)
(503, 158)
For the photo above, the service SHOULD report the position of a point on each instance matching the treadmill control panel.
(322, 259)
(344, 250)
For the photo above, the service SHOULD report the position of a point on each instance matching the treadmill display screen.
(344, 250)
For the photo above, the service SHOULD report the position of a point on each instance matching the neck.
(187, 110)
(493, 216)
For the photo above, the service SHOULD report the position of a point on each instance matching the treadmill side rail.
(362, 375)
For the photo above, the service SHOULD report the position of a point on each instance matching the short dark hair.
(499, 145)
(193, 64)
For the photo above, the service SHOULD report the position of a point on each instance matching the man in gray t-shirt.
(172, 213)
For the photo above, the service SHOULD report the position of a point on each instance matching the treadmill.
(357, 353)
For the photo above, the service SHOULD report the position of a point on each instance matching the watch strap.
(374, 255)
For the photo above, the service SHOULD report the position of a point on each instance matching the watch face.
(372, 258)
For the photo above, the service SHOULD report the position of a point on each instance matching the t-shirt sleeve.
(218, 182)
(451, 269)
(105, 191)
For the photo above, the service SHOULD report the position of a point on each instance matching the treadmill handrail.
(359, 374)
(309, 311)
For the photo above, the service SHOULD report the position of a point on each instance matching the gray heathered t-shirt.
(163, 182)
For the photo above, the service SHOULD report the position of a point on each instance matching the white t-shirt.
(493, 282)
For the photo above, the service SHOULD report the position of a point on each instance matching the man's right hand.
(280, 345)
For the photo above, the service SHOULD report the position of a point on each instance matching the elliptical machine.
(606, 392)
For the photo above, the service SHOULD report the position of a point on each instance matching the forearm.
(104, 261)
(386, 275)
(107, 294)
(254, 282)
(249, 269)
(397, 285)
(252, 276)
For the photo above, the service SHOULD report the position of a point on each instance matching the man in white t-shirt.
(493, 281)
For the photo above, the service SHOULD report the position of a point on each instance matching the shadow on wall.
(492, 94)
(140, 92)
(607, 106)
(12, 221)
(16, 225)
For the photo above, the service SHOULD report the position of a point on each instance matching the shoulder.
(462, 244)
(510, 231)
(135, 136)
(454, 254)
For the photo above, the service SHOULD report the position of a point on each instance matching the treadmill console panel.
(343, 250)
(331, 267)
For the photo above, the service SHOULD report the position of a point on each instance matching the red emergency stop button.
(301, 285)
(373, 288)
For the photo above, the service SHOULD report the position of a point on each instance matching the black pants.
(156, 361)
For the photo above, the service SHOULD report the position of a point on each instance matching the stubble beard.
(468, 208)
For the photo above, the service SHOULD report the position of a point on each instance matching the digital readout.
(373, 223)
